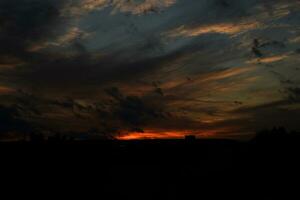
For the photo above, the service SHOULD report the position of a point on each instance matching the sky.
(144, 69)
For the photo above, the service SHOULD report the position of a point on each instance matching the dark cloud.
(294, 94)
(120, 113)
(82, 71)
(133, 111)
(23, 23)
(10, 122)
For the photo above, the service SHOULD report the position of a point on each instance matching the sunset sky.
(140, 69)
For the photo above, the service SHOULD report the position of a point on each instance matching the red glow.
(161, 135)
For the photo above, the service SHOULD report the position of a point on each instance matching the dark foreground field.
(264, 168)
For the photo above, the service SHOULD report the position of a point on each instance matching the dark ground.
(264, 168)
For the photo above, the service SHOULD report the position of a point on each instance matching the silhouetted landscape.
(264, 167)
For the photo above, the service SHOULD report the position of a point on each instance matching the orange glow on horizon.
(162, 135)
(6, 90)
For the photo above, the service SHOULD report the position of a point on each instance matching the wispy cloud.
(126, 6)
(270, 59)
(221, 28)
(6, 90)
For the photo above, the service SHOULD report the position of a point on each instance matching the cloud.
(6, 90)
(270, 59)
(126, 6)
(142, 7)
(295, 39)
(268, 115)
(134, 111)
(294, 94)
(228, 73)
(10, 123)
(72, 35)
(221, 28)
(77, 8)
(26, 22)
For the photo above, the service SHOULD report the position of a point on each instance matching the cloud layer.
(150, 68)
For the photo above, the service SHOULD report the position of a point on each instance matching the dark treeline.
(263, 168)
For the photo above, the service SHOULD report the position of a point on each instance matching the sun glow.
(149, 135)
